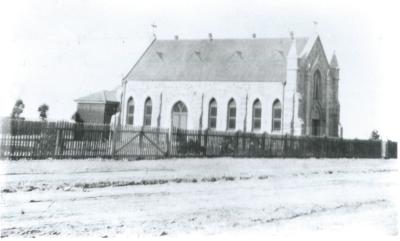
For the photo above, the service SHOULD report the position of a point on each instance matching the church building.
(273, 85)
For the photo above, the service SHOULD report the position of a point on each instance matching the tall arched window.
(179, 115)
(276, 115)
(147, 112)
(317, 85)
(212, 114)
(256, 124)
(231, 125)
(130, 108)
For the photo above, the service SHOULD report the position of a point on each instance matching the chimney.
(254, 35)
(176, 37)
(210, 37)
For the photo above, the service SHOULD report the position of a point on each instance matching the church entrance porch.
(316, 126)
(179, 116)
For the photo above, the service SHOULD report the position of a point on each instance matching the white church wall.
(190, 93)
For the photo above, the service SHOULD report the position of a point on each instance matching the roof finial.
(291, 35)
(315, 27)
(154, 26)
(210, 36)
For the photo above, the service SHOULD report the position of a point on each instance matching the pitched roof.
(310, 43)
(215, 60)
(99, 97)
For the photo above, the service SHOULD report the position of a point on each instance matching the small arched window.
(147, 112)
(212, 114)
(130, 108)
(231, 115)
(256, 124)
(317, 85)
(276, 115)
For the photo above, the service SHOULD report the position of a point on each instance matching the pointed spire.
(334, 63)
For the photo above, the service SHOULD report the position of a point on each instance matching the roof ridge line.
(206, 39)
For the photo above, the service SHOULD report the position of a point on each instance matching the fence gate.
(132, 142)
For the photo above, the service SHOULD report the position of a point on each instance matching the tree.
(374, 135)
(77, 117)
(17, 109)
(43, 111)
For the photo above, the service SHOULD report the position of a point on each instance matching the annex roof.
(103, 96)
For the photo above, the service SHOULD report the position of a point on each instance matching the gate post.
(141, 133)
(113, 139)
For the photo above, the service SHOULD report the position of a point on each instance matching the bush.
(374, 135)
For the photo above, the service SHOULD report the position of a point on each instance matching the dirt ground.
(178, 197)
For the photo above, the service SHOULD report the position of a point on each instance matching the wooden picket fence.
(238, 144)
(62, 140)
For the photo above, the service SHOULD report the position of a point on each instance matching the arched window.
(212, 114)
(256, 115)
(179, 115)
(317, 85)
(276, 115)
(147, 112)
(231, 125)
(130, 108)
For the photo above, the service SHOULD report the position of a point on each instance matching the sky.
(55, 51)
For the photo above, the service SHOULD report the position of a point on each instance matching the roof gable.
(315, 44)
(215, 60)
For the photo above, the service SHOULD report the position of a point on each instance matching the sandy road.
(335, 199)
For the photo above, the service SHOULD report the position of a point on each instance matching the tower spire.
(334, 62)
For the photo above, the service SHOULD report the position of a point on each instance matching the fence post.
(57, 148)
(284, 146)
(61, 151)
(325, 154)
(205, 142)
(236, 151)
(168, 139)
(13, 129)
(263, 142)
(158, 135)
(383, 149)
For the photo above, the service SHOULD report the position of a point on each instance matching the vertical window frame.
(231, 118)
(276, 118)
(317, 79)
(212, 117)
(256, 120)
(130, 111)
(147, 112)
